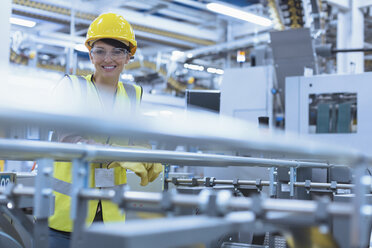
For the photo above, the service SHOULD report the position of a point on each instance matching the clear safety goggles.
(115, 54)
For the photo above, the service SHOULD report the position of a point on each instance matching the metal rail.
(218, 181)
(32, 150)
(324, 185)
(225, 202)
(226, 133)
(211, 133)
(228, 203)
(203, 181)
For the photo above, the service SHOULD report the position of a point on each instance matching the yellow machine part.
(310, 237)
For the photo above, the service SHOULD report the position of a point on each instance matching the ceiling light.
(22, 22)
(81, 48)
(211, 70)
(215, 70)
(176, 55)
(219, 71)
(239, 14)
(194, 67)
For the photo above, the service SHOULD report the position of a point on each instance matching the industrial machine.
(221, 216)
(332, 108)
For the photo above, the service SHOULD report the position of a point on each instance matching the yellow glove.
(148, 172)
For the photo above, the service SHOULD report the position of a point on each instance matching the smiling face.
(103, 58)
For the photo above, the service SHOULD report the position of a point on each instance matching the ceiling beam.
(155, 9)
(247, 28)
(340, 4)
(166, 25)
(227, 46)
(192, 3)
(164, 40)
(62, 36)
(193, 12)
(364, 3)
(151, 24)
(171, 12)
(48, 14)
(65, 40)
(52, 41)
(83, 5)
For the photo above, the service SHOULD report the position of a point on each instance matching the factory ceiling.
(164, 26)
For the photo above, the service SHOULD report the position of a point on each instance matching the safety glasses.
(115, 54)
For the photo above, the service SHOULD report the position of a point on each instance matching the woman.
(111, 43)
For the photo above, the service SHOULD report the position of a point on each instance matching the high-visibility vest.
(126, 95)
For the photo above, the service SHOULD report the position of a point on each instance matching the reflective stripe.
(84, 84)
(65, 187)
(129, 89)
(71, 83)
(132, 95)
(61, 186)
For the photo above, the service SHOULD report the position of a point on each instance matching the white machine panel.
(298, 99)
(245, 92)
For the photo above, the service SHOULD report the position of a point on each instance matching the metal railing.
(230, 137)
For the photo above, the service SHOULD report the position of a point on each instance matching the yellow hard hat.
(111, 26)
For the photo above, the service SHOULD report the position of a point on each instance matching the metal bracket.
(208, 202)
(119, 196)
(166, 202)
(166, 176)
(8, 192)
(79, 206)
(194, 182)
(223, 199)
(292, 179)
(361, 218)
(175, 181)
(212, 208)
(209, 182)
(236, 183)
(333, 186)
(43, 202)
(259, 185)
(257, 206)
(273, 181)
(321, 213)
(308, 186)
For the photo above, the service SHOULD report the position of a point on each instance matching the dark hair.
(114, 43)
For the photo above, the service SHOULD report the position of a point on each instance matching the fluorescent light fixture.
(22, 22)
(219, 71)
(239, 14)
(211, 70)
(194, 67)
(81, 48)
(176, 55)
(215, 71)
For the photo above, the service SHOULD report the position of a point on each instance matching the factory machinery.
(223, 218)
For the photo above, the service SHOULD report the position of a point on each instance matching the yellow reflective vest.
(126, 96)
